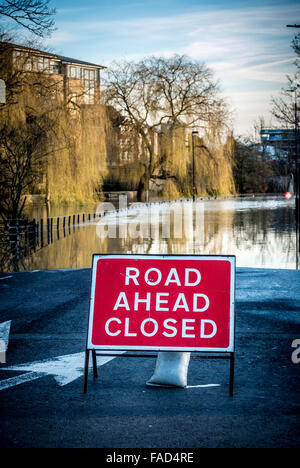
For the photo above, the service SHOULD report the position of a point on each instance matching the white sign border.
(230, 258)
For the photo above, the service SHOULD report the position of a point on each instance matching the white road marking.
(65, 369)
(5, 277)
(203, 386)
(14, 381)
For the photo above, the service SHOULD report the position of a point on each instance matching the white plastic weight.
(171, 370)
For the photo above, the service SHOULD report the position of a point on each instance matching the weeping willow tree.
(47, 146)
(75, 171)
(215, 161)
(173, 157)
(165, 97)
(27, 119)
(172, 177)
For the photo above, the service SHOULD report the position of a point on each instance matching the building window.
(54, 67)
(73, 72)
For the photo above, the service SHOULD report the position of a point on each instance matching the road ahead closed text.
(162, 303)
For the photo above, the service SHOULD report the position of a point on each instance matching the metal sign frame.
(147, 351)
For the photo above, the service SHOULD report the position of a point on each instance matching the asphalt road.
(42, 405)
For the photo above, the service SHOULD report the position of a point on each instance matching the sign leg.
(86, 370)
(231, 374)
(95, 370)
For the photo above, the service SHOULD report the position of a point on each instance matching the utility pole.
(297, 172)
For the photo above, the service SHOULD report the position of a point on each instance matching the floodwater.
(260, 232)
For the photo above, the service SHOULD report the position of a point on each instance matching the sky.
(246, 44)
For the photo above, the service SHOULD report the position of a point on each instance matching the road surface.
(44, 317)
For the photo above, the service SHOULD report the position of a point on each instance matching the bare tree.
(28, 119)
(22, 152)
(296, 47)
(162, 94)
(34, 15)
(251, 168)
(284, 108)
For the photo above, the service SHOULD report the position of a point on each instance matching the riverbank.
(48, 314)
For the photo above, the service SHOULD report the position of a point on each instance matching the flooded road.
(260, 232)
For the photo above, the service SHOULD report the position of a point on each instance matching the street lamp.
(193, 146)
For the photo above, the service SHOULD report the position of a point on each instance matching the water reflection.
(261, 233)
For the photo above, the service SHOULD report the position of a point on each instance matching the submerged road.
(44, 321)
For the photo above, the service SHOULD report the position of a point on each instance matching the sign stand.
(110, 330)
(229, 356)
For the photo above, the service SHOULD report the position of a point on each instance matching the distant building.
(282, 140)
(80, 79)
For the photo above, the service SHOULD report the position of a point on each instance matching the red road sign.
(152, 302)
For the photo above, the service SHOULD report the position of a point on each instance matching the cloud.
(59, 37)
(217, 21)
(247, 47)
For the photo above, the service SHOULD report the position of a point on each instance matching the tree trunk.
(143, 187)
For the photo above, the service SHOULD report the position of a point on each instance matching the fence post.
(33, 234)
(64, 226)
(18, 237)
(42, 232)
(48, 231)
